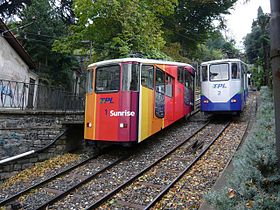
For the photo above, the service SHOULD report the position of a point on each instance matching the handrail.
(22, 96)
(25, 154)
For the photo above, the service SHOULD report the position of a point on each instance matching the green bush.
(255, 182)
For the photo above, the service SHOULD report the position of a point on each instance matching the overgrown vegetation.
(69, 34)
(255, 182)
(53, 68)
(257, 46)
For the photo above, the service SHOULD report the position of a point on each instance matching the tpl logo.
(219, 86)
(106, 101)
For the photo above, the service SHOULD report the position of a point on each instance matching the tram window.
(218, 72)
(244, 75)
(130, 77)
(160, 81)
(134, 84)
(107, 78)
(180, 74)
(160, 90)
(169, 86)
(147, 76)
(204, 73)
(188, 82)
(89, 81)
(235, 71)
(188, 88)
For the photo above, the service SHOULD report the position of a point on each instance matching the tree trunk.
(265, 64)
(275, 61)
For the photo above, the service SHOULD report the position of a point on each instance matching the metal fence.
(20, 95)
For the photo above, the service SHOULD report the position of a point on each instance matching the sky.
(240, 21)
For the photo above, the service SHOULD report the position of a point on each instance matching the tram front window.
(130, 77)
(235, 71)
(107, 79)
(89, 81)
(219, 72)
(204, 73)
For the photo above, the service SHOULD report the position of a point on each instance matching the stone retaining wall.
(12, 167)
(22, 131)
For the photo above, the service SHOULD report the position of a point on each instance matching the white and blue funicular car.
(224, 86)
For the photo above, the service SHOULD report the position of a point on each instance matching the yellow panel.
(150, 124)
(158, 123)
(90, 112)
(147, 107)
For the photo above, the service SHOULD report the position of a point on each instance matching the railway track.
(115, 185)
(23, 199)
(186, 152)
(19, 199)
(69, 173)
(161, 175)
(47, 195)
(189, 192)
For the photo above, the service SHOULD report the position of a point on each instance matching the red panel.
(113, 109)
(129, 102)
(179, 100)
(172, 70)
(106, 125)
(169, 111)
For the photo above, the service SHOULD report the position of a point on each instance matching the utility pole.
(275, 63)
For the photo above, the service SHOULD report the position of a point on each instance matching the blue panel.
(227, 106)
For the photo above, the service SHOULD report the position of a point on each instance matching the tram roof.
(222, 61)
(139, 60)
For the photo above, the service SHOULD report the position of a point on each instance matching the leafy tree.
(192, 21)
(38, 38)
(216, 47)
(64, 8)
(9, 8)
(118, 28)
(257, 45)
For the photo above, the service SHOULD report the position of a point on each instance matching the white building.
(18, 84)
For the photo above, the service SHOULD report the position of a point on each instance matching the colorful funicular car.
(130, 99)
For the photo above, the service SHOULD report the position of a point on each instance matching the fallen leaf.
(250, 204)
(231, 193)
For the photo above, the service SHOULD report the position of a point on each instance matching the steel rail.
(88, 179)
(243, 137)
(175, 180)
(117, 189)
(15, 196)
(3, 202)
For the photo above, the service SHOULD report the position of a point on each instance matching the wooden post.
(275, 63)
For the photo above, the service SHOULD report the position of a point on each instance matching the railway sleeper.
(196, 146)
(130, 205)
(149, 184)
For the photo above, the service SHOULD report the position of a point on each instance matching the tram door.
(151, 107)
(159, 109)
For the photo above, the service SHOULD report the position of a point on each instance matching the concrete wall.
(13, 68)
